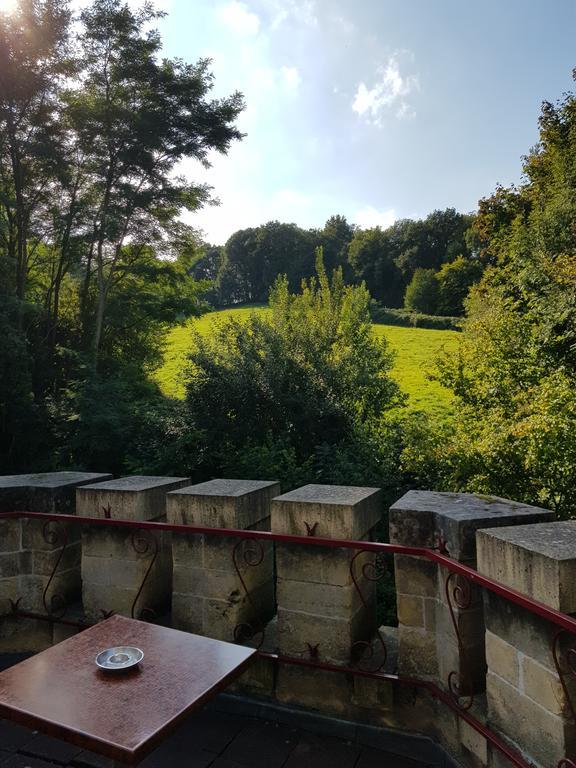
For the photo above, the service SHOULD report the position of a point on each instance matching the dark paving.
(208, 739)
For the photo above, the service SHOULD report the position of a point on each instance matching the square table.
(122, 715)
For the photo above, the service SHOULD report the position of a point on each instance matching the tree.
(334, 240)
(134, 119)
(371, 256)
(455, 279)
(422, 292)
(309, 373)
(515, 375)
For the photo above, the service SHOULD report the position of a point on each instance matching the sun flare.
(8, 6)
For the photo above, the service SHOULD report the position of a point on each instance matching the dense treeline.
(94, 257)
(391, 262)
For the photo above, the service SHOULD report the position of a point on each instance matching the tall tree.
(134, 119)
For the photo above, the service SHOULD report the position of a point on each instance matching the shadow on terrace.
(478, 669)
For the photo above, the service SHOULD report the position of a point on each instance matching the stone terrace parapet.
(208, 596)
(527, 702)
(115, 562)
(429, 643)
(320, 612)
(27, 553)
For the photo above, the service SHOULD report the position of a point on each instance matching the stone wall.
(126, 571)
(318, 604)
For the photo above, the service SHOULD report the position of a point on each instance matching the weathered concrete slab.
(330, 511)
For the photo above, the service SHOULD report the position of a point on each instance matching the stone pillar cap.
(538, 560)
(420, 518)
(134, 483)
(223, 487)
(50, 479)
(331, 511)
(222, 503)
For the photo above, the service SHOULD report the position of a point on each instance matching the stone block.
(474, 742)
(544, 687)
(10, 591)
(322, 599)
(222, 503)
(330, 637)
(220, 618)
(203, 582)
(50, 492)
(14, 564)
(115, 567)
(421, 518)
(416, 576)
(538, 560)
(417, 655)
(502, 659)
(411, 610)
(330, 511)
(10, 535)
(546, 737)
(327, 692)
(138, 497)
(520, 628)
(319, 565)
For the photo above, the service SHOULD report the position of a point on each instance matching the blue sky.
(375, 109)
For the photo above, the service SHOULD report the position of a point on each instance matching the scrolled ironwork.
(565, 663)
(363, 652)
(144, 543)
(250, 554)
(459, 596)
(55, 536)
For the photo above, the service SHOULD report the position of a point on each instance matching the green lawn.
(416, 349)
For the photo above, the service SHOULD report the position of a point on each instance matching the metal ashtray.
(120, 658)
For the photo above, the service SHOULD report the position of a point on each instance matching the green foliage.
(455, 279)
(297, 390)
(515, 374)
(422, 292)
(372, 257)
(407, 319)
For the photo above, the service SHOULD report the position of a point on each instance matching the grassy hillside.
(416, 349)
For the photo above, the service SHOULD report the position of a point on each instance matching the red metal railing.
(458, 596)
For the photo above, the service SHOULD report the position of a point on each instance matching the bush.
(296, 392)
(406, 319)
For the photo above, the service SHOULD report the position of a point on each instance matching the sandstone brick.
(537, 732)
(543, 686)
(327, 692)
(14, 564)
(10, 535)
(416, 576)
(474, 742)
(430, 608)
(502, 659)
(334, 637)
(417, 652)
(43, 562)
(335, 512)
(318, 564)
(322, 599)
(203, 582)
(411, 610)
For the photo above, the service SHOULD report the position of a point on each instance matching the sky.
(374, 109)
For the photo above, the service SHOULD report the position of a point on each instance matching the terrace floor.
(235, 733)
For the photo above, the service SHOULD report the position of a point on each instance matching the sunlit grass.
(415, 348)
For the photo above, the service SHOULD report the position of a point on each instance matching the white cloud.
(389, 91)
(368, 218)
(300, 12)
(291, 78)
(239, 18)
